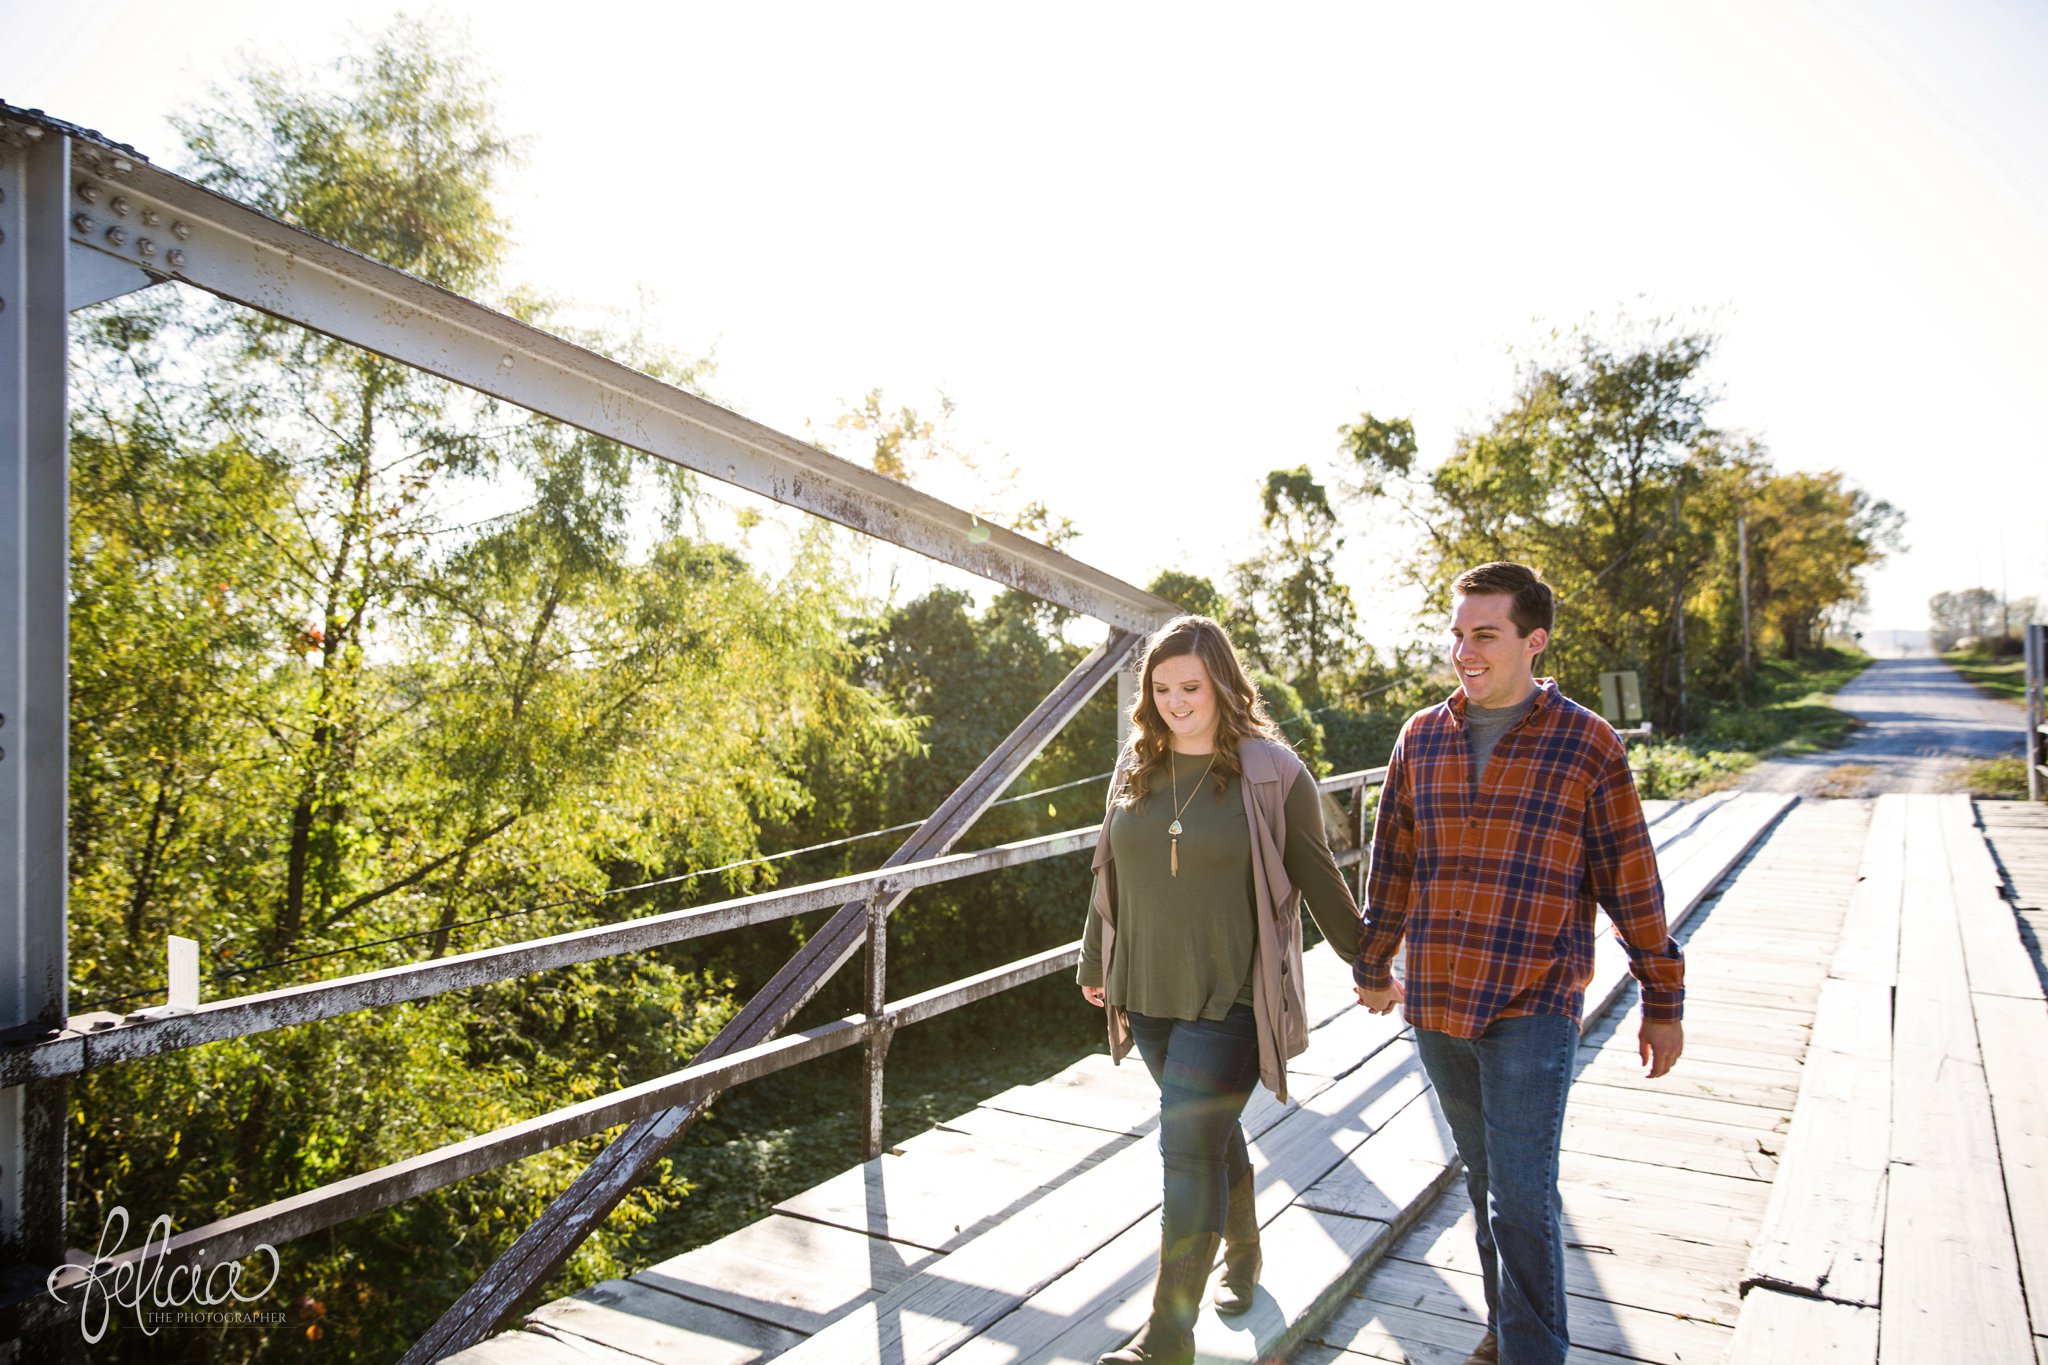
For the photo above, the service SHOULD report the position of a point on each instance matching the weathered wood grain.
(791, 1272)
(1777, 1327)
(2014, 1034)
(1952, 1287)
(644, 1322)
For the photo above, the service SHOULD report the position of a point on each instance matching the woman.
(1213, 834)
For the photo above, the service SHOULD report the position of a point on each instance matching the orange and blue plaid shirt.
(1494, 887)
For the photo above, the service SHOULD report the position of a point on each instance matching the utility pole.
(1678, 605)
(1742, 553)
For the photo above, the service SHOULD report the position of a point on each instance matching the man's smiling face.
(1495, 662)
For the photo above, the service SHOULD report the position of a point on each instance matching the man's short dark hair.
(1534, 606)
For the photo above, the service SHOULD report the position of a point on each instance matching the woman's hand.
(1093, 995)
(1382, 1002)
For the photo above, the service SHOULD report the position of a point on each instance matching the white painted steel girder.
(170, 228)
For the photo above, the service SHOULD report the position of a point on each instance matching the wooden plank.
(1617, 1093)
(788, 1271)
(1951, 1282)
(1635, 1137)
(1776, 1327)
(1312, 1260)
(1995, 957)
(1760, 1086)
(938, 1193)
(1340, 1045)
(1823, 1232)
(1643, 1334)
(1646, 1184)
(540, 1348)
(1410, 1336)
(1605, 1258)
(1854, 1019)
(647, 1323)
(1870, 934)
(1400, 1166)
(1085, 1146)
(1314, 1138)
(1093, 1092)
(1094, 1306)
(2014, 1034)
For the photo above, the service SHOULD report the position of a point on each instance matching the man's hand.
(1381, 1002)
(1658, 1043)
(1093, 995)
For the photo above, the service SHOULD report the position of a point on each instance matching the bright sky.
(1152, 251)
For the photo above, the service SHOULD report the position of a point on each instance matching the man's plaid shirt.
(1495, 887)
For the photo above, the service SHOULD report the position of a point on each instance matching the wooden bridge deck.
(1025, 1229)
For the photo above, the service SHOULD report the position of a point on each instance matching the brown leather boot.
(1487, 1352)
(1241, 1258)
(1168, 1336)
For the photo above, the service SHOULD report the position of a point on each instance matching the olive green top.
(1184, 943)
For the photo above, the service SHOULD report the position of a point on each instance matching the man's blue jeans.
(1504, 1094)
(1206, 1069)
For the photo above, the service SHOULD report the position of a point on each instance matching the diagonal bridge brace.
(542, 1249)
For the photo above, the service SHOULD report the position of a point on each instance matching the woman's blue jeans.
(1205, 1069)
(1504, 1095)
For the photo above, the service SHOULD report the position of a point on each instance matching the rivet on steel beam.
(82, 222)
(119, 206)
(123, 165)
(89, 192)
(181, 231)
(176, 258)
(116, 236)
(150, 217)
(505, 362)
(145, 246)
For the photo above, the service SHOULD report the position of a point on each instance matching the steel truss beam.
(169, 228)
(34, 571)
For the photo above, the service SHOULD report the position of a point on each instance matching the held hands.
(1658, 1043)
(1093, 995)
(1381, 1002)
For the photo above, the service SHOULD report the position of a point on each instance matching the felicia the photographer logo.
(189, 1294)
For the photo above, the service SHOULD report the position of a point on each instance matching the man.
(1508, 812)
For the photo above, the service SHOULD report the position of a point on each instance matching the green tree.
(1192, 593)
(330, 715)
(1294, 614)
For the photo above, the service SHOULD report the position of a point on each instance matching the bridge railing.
(95, 1041)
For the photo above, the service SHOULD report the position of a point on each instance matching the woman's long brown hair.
(1240, 711)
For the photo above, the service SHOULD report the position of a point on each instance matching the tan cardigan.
(1279, 993)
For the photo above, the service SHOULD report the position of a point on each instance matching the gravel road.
(1922, 724)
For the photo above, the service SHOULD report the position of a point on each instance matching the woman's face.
(1186, 698)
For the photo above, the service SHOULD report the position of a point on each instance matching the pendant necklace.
(1180, 807)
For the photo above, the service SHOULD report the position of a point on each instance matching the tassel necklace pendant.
(1173, 830)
